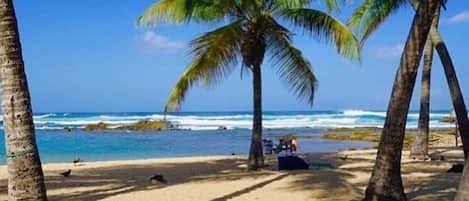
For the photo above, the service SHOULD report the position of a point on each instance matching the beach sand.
(224, 178)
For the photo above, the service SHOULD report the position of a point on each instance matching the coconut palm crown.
(251, 29)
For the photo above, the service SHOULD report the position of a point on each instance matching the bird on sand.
(157, 179)
(345, 157)
(66, 173)
(76, 161)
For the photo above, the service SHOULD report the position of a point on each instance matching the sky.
(89, 56)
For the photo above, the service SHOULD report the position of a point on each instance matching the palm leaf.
(181, 11)
(371, 14)
(216, 54)
(293, 67)
(324, 27)
(332, 5)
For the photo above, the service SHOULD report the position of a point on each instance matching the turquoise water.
(201, 137)
(59, 146)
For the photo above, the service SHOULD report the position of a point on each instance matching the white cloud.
(389, 52)
(459, 18)
(155, 41)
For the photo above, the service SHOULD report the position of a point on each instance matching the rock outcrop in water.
(145, 125)
(96, 127)
(448, 119)
(148, 126)
(361, 134)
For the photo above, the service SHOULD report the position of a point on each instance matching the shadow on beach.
(225, 179)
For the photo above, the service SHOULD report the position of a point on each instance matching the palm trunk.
(256, 157)
(420, 146)
(25, 177)
(455, 91)
(453, 84)
(386, 182)
(463, 189)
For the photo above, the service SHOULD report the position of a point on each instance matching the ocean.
(200, 136)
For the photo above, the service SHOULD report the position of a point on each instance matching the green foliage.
(324, 27)
(217, 52)
(371, 14)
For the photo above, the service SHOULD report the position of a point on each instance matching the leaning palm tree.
(372, 13)
(386, 183)
(419, 147)
(251, 30)
(25, 177)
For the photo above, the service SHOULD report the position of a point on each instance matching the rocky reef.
(96, 127)
(145, 125)
(361, 134)
(448, 119)
(148, 126)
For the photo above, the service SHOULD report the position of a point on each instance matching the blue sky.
(88, 56)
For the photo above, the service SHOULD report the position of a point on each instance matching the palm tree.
(25, 177)
(250, 32)
(419, 147)
(372, 13)
(386, 182)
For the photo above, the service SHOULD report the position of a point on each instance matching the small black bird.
(157, 179)
(66, 173)
(345, 157)
(76, 161)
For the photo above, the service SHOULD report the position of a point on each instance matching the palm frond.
(181, 11)
(332, 5)
(292, 66)
(216, 54)
(291, 3)
(324, 27)
(371, 14)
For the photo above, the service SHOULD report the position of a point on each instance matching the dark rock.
(67, 129)
(437, 157)
(222, 128)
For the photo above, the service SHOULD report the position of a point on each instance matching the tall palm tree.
(25, 177)
(386, 183)
(251, 31)
(372, 13)
(419, 147)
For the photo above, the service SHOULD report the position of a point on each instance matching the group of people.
(287, 143)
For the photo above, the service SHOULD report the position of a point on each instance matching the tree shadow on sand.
(99, 183)
(423, 180)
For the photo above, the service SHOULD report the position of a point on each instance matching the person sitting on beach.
(294, 145)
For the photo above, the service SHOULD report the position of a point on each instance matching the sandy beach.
(224, 178)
